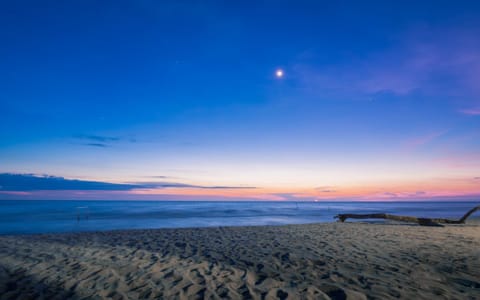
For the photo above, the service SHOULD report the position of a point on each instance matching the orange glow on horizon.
(415, 190)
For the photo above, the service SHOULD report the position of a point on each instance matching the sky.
(181, 100)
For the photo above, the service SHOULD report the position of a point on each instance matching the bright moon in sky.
(279, 73)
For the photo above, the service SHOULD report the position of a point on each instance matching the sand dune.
(317, 261)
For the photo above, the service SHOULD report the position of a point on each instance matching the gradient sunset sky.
(179, 100)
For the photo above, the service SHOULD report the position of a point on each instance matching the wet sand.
(315, 261)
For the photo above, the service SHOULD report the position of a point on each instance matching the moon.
(279, 73)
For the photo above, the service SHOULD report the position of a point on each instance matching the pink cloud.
(467, 160)
(436, 62)
(471, 111)
(419, 141)
(15, 193)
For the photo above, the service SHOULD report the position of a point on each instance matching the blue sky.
(379, 99)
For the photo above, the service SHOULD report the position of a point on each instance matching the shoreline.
(472, 221)
(315, 261)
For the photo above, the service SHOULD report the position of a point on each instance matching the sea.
(38, 216)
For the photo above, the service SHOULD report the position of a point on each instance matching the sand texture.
(316, 261)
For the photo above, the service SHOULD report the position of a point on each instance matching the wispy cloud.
(101, 141)
(390, 194)
(33, 182)
(433, 61)
(97, 138)
(417, 194)
(325, 189)
(471, 111)
(461, 160)
(421, 140)
(154, 185)
(100, 145)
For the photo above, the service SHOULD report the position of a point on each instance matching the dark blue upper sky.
(117, 90)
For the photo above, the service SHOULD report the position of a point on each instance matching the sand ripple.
(317, 261)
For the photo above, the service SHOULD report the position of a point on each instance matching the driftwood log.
(420, 221)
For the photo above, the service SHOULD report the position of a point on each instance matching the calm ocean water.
(20, 217)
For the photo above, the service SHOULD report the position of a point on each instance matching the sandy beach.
(315, 261)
